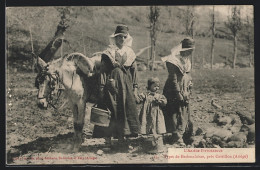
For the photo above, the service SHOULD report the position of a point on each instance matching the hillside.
(91, 26)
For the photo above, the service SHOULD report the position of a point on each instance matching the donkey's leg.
(79, 118)
(76, 128)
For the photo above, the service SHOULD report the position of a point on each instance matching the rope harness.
(53, 97)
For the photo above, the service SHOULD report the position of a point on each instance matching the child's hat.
(152, 81)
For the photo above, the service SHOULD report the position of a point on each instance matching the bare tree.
(213, 22)
(234, 24)
(153, 18)
(33, 58)
(48, 52)
(189, 22)
(249, 39)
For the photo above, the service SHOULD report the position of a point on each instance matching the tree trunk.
(212, 49)
(249, 40)
(154, 14)
(152, 45)
(235, 51)
(33, 59)
(153, 56)
(213, 39)
(148, 53)
(212, 52)
(190, 30)
(192, 54)
(235, 25)
(52, 47)
(203, 58)
(192, 60)
(250, 58)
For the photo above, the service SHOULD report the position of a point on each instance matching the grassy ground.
(216, 81)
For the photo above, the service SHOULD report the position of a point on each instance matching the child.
(151, 115)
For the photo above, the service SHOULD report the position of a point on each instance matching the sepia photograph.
(158, 84)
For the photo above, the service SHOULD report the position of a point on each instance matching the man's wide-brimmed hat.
(187, 44)
(120, 30)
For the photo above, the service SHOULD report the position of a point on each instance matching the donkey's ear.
(40, 64)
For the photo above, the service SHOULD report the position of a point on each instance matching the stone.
(199, 131)
(249, 130)
(235, 119)
(235, 144)
(141, 67)
(251, 134)
(222, 119)
(199, 99)
(202, 144)
(197, 140)
(106, 149)
(130, 147)
(216, 140)
(100, 152)
(239, 136)
(216, 146)
(235, 129)
(219, 132)
(245, 119)
(215, 105)
(134, 155)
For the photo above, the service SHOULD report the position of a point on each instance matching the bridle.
(54, 80)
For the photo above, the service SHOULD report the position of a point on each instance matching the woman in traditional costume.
(177, 90)
(118, 87)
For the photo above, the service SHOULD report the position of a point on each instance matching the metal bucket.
(100, 117)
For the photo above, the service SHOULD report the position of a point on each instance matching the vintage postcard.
(130, 84)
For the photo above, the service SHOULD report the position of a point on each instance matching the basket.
(100, 117)
(152, 145)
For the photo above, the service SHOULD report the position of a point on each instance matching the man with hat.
(177, 89)
(118, 87)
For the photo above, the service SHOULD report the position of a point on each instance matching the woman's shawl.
(111, 53)
(175, 58)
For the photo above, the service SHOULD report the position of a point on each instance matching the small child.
(151, 115)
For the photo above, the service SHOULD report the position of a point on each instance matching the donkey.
(77, 75)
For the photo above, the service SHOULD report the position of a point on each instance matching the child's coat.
(151, 115)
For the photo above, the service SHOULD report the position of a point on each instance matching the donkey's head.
(47, 82)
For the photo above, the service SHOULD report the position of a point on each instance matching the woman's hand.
(162, 102)
(101, 95)
(141, 96)
(136, 96)
(179, 97)
(111, 85)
